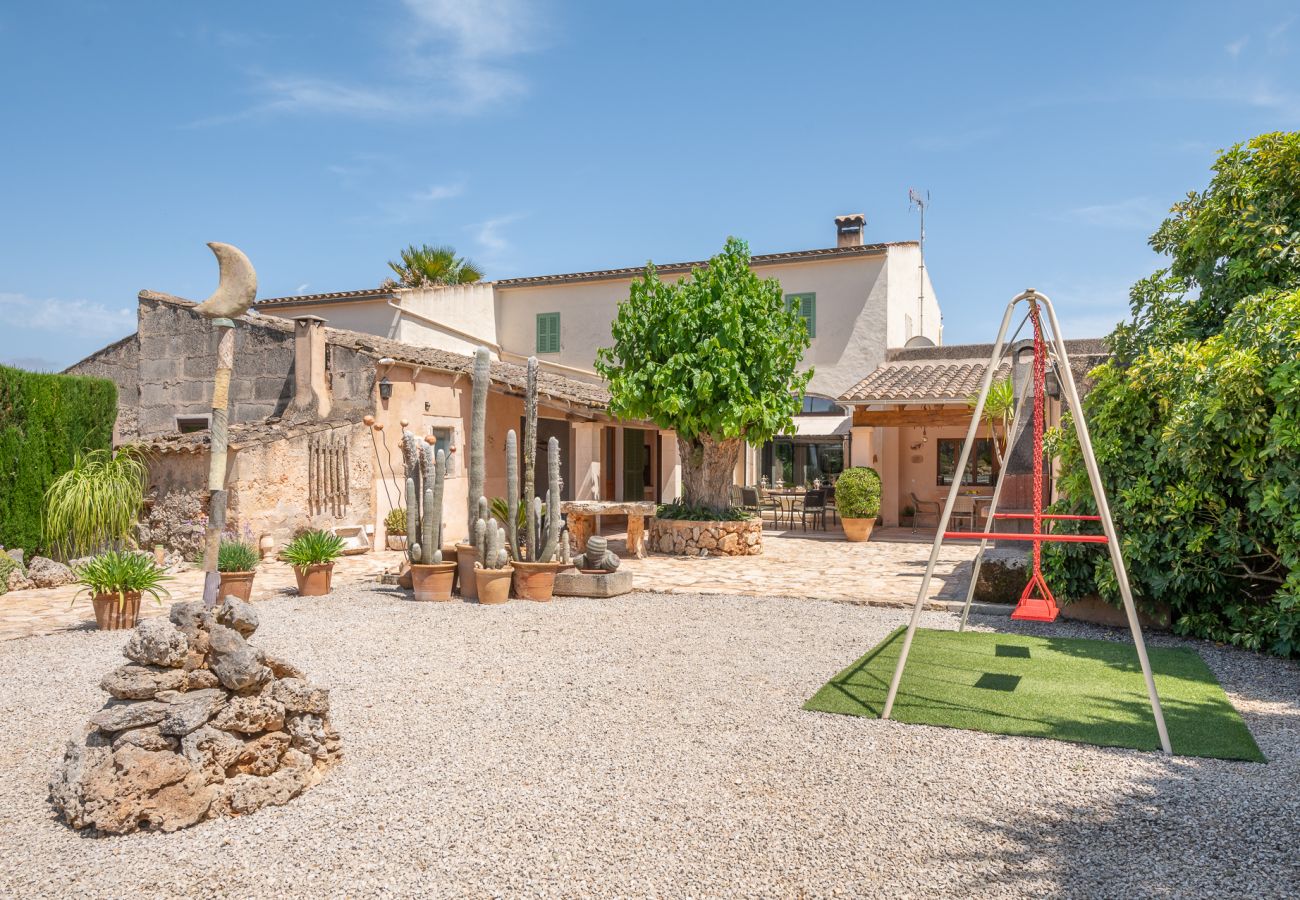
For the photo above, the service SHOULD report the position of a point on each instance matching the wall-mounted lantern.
(385, 388)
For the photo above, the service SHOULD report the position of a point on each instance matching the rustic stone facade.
(682, 537)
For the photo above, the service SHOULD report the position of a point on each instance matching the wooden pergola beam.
(908, 417)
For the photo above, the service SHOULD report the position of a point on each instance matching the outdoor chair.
(736, 499)
(768, 503)
(830, 504)
(749, 500)
(920, 506)
(814, 505)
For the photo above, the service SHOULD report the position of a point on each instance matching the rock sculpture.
(597, 556)
(201, 724)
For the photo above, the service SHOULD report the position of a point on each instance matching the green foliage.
(7, 564)
(395, 521)
(312, 548)
(237, 556)
(681, 510)
(714, 354)
(122, 572)
(96, 502)
(1197, 425)
(501, 512)
(857, 493)
(423, 266)
(999, 408)
(45, 422)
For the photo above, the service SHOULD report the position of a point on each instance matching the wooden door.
(634, 460)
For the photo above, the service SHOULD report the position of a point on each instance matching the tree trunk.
(708, 471)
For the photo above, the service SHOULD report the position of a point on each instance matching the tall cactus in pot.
(478, 432)
(426, 473)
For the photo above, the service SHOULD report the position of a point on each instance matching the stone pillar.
(586, 461)
(893, 494)
(670, 468)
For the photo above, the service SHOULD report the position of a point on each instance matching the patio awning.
(823, 426)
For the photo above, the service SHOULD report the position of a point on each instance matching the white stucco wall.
(467, 311)
(908, 315)
(369, 316)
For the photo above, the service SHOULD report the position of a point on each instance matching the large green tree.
(424, 266)
(713, 357)
(1196, 418)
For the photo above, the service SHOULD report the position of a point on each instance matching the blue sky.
(552, 136)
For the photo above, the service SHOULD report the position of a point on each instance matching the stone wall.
(686, 538)
(119, 363)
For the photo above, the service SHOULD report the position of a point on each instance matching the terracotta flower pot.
(235, 584)
(114, 615)
(535, 580)
(433, 582)
(314, 581)
(396, 541)
(493, 585)
(857, 529)
(466, 555)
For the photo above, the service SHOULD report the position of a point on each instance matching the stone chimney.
(848, 230)
(311, 393)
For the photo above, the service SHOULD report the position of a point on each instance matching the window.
(443, 443)
(191, 424)
(821, 405)
(548, 332)
(980, 468)
(801, 461)
(806, 306)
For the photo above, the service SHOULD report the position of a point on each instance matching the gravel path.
(655, 745)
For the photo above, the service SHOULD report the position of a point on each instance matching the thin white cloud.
(301, 289)
(1135, 212)
(1235, 47)
(415, 206)
(439, 192)
(83, 318)
(489, 233)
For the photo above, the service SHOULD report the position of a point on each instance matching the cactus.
(478, 430)
(512, 495)
(533, 532)
(553, 485)
(425, 475)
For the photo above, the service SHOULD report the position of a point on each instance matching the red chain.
(1040, 388)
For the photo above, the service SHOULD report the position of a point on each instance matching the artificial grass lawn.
(1070, 689)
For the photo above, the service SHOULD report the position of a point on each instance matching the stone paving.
(885, 571)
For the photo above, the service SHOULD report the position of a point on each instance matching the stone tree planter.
(685, 537)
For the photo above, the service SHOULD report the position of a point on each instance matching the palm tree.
(425, 265)
(999, 407)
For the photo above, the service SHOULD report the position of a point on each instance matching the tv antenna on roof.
(915, 200)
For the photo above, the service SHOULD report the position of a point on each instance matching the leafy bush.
(681, 510)
(395, 521)
(96, 502)
(1196, 421)
(237, 556)
(313, 548)
(122, 572)
(857, 493)
(45, 422)
(7, 564)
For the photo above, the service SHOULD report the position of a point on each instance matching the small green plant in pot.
(395, 528)
(115, 581)
(312, 556)
(236, 564)
(857, 497)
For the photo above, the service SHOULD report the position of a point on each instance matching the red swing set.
(1036, 602)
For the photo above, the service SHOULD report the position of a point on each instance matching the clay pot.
(235, 584)
(314, 581)
(466, 554)
(433, 581)
(493, 585)
(857, 529)
(396, 541)
(535, 580)
(112, 615)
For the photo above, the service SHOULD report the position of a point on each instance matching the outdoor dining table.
(786, 498)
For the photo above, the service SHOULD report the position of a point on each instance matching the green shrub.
(96, 502)
(313, 548)
(237, 556)
(681, 510)
(45, 422)
(395, 521)
(7, 565)
(121, 572)
(857, 493)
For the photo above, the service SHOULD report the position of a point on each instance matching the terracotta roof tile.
(932, 380)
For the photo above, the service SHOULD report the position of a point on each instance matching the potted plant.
(115, 581)
(426, 474)
(857, 496)
(236, 564)
(395, 528)
(312, 556)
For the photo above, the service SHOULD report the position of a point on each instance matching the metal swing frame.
(1056, 347)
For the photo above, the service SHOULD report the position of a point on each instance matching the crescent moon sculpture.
(236, 289)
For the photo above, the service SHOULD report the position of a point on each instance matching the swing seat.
(1036, 602)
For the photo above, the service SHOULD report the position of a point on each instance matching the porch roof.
(922, 380)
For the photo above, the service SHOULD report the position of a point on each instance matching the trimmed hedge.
(857, 493)
(45, 421)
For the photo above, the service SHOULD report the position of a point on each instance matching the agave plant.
(999, 408)
(421, 266)
(96, 502)
(313, 548)
(237, 556)
(122, 572)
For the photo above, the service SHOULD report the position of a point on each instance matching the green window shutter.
(806, 306)
(548, 332)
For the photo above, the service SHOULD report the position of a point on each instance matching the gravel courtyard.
(654, 745)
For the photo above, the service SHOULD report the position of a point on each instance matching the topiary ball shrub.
(857, 493)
